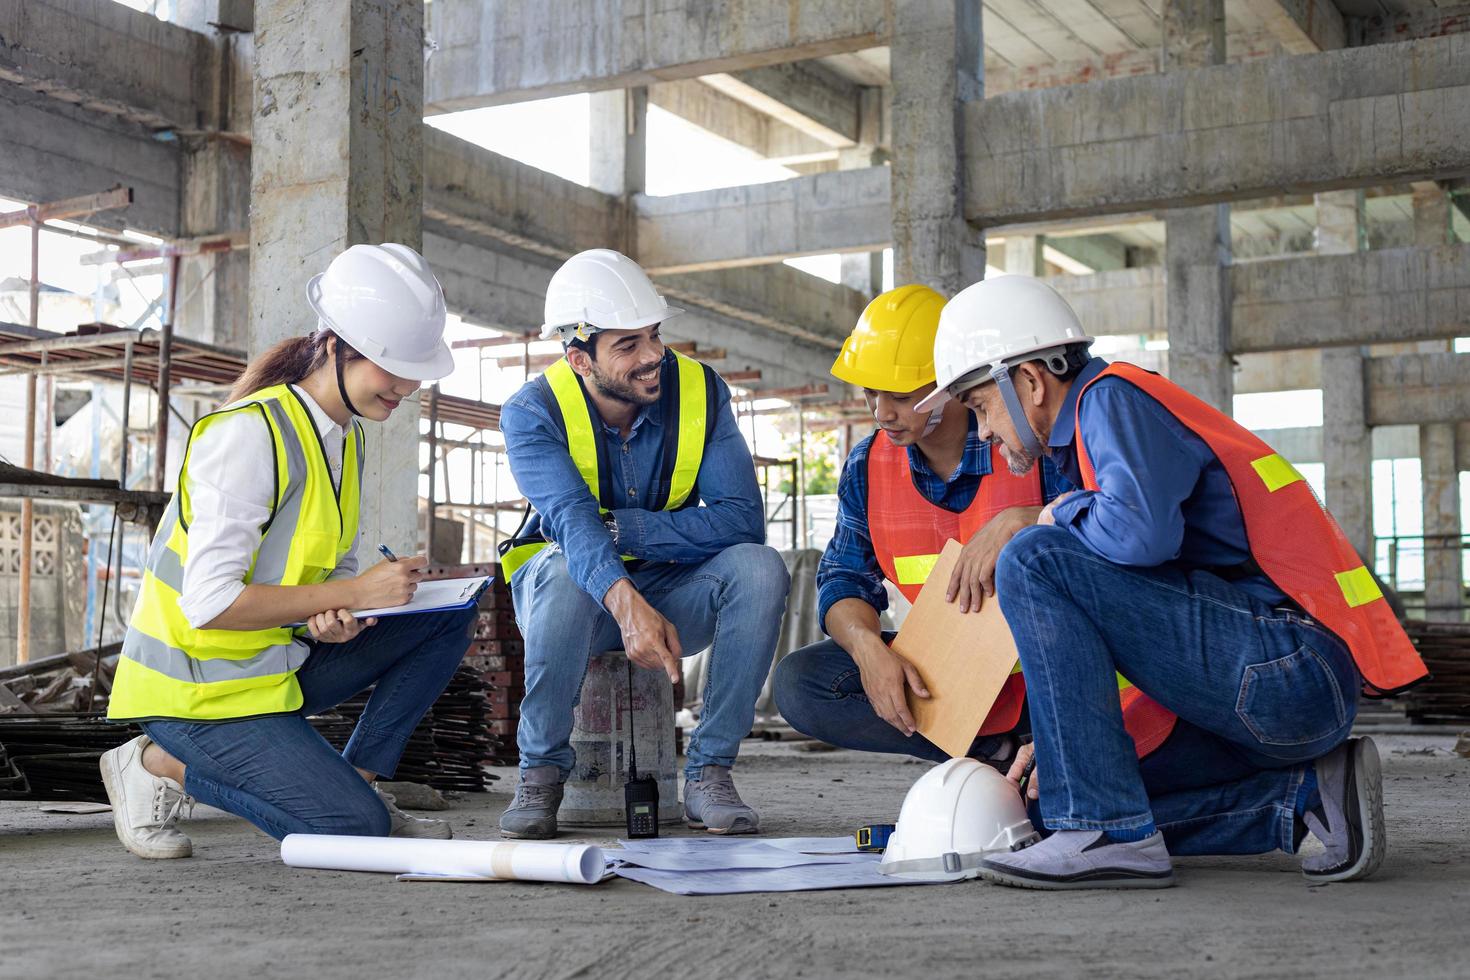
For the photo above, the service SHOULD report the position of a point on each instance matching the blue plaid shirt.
(849, 569)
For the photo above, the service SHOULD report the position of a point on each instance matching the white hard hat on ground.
(993, 325)
(384, 301)
(956, 813)
(600, 289)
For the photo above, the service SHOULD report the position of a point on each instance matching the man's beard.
(620, 391)
(1019, 462)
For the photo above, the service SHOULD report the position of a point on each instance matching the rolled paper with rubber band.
(577, 864)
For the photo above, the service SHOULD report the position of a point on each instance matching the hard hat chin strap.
(1001, 375)
(342, 385)
(935, 417)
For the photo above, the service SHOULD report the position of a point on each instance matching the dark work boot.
(532, 814)
(1349, 820)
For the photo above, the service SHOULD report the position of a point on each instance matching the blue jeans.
(1260, 693)
(732, 603)
(279, 774)
(819, 691)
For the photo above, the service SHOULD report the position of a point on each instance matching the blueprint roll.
(579, 864)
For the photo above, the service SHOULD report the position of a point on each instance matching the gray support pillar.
(1347, 440)
(1431, 215)
(1444, 590)
(1023, 255)
(1197, 303)
(937, 56)
(1197, 240)
(1347, 445)
(338, 158)
(619, 141)
(863, 271)
(214, 287)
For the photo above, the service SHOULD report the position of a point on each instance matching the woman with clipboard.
(261, 532)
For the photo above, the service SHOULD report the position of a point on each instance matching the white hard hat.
(956, 814)
(384, 301)
(994, 323)
(600, 289)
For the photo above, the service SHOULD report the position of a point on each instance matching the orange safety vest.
(1293, 540)
(909, 532)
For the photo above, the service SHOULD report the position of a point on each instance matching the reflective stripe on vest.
(908, 532)
(169, 669)
(687, 406)
(1294, 541)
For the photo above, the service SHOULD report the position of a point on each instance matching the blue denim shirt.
(730, 510)
(849, 568)
(1163, 494)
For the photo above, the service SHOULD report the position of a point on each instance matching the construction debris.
(1444, 698)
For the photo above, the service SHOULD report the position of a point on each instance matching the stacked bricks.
(497, 655)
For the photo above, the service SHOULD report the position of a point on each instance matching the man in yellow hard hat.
(919, 480)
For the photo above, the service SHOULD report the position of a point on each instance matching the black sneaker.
(1349, 819)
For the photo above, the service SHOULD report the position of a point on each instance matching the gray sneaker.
(1083, 859)
(1349, 820)
(532, 814)
(711, 803)
(406, 825)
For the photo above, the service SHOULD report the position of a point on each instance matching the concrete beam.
(785, 300)
(50, 151)
(847, 211)
(105, 57)
(1408, 25)
(694, 101)
(1302, 26)
(491, 195)
(1118, 64)
(1419, 389)
(1119, 303)
(1339, 119)
(497, 51)
(1384, 296)
(805, 96)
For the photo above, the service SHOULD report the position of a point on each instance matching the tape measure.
(874, 837)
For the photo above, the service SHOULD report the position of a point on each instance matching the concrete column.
(338, 160)
(1431, 215)
(1197, 302)
(863, 271)
(1194, 34)
(937, 58)
(1347, 445)
(214, 288)
(618, 139)
(1339, 222)
(1444, 591)
(1023, 255)
(1347, 440)
(1197, 240)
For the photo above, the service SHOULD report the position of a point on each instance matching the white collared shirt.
(231, 502)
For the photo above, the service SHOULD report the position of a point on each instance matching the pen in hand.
(383, 550)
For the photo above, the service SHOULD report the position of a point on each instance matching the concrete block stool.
(604, 729)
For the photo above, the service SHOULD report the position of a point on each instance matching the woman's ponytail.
(287, 363)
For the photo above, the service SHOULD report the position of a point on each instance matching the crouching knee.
(1020, 564)
(356, 818)
(758, 567)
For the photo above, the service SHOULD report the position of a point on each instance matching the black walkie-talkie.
(640, 794)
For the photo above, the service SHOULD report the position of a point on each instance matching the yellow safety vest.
(687, 405)
(169, 669)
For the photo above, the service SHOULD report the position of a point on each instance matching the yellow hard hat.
(892, 346)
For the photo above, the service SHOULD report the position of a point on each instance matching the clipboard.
(963, 658)
(432, 595)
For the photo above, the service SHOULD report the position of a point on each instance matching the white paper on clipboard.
(433, 595)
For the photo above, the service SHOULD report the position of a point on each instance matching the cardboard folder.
(964, 659)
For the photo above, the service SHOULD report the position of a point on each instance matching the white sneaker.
(145, 807)
(404, 825)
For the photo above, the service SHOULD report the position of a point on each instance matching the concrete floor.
(74, 903)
